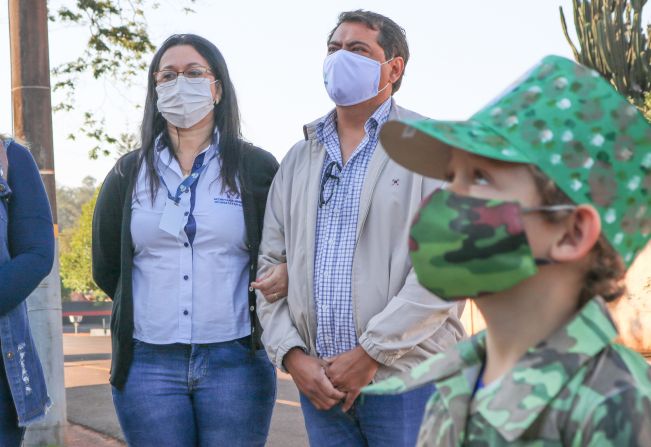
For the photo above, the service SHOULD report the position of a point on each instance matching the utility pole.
(32, 114)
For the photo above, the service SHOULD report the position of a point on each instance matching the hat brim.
(424, 146)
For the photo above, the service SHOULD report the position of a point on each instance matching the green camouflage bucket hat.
(569, 122)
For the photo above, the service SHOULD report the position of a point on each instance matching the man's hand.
(273, 284)
(350, 372)
(309, 375)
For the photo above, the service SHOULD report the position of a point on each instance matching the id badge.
(172, 220)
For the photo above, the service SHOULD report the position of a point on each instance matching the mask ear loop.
(388, 83)
(548, 209)
(383, 88)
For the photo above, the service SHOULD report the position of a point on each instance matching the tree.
(118, 50)
(75, 256)
(70, 201)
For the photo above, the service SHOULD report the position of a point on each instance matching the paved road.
(87, 362)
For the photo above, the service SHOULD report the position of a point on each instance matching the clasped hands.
(327, 382)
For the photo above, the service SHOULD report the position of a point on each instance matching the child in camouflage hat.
(548, 201)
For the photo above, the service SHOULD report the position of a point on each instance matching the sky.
(462, 54)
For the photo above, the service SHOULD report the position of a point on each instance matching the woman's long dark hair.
(226, 113)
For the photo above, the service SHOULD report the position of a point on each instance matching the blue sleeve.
(30, 231)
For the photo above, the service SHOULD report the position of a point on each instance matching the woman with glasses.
(26, 255)
(176, 232)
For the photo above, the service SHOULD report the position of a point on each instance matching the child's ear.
(577, 235)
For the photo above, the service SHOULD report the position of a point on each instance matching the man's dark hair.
(392, 37)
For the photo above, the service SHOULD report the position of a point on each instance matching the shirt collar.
(514, 403)
(544, 371)
(166, 160)
(328, 124)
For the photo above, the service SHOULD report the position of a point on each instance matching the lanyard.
(185, 184)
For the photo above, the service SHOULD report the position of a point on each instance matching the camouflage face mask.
(464, 247)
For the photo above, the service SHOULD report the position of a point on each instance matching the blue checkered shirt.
(336, 232)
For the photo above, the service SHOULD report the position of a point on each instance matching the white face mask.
(350, 78)
(185, 102)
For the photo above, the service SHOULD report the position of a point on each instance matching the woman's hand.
(273, 284)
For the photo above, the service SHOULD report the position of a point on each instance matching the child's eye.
(449, 177)
(480, 178)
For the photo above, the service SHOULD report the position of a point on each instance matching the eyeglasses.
(191, 74)
(327, 175)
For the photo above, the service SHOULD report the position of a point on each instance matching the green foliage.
(614, 42)
(71, 199)
(118, 49)
(75, 252)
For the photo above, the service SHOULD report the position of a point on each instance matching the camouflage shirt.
(576, 388)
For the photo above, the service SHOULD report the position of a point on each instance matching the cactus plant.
(613, 41)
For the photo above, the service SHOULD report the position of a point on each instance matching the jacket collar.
(513, 403)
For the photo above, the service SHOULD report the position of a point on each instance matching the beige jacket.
(398, 322)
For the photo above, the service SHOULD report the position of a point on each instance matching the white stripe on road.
(288, 402)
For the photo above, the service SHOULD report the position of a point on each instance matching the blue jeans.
(196, 395)
(388, 420)
(10, 434)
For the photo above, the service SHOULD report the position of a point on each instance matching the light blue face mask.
(351, 79)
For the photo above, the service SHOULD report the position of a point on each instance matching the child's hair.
(607, 270)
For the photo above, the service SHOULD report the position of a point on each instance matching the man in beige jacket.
(338, 215)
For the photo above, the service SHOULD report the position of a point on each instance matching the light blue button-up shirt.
(192, 287)
(336, 231)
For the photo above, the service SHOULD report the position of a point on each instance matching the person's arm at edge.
(30, 231)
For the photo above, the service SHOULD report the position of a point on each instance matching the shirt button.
(185, 244)
(185, 277)
(185, 312)
(186, 213)
(10, 355)
(252, 308)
